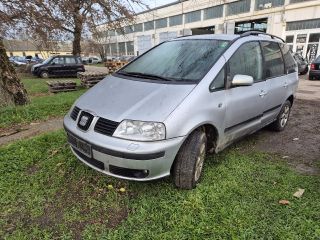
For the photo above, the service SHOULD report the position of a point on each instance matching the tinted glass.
(187, 60)
(70, 60)
(58, 60)
(218, 82)
(288, 59)
(273, 59)
(247, 60)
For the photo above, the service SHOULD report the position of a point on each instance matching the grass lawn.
(42, 106)
(47, 193)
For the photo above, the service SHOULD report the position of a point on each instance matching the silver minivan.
(163, 112)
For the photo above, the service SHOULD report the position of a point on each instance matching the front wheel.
(281, 122)
(189, 161)
(44, 74)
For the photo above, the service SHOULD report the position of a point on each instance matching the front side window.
(179, 60)
(247, 60)
(218, 82)
(58, 60)
(273, 59)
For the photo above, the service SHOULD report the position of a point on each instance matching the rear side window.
(70, 60)
(273, 59)
(289, 62)
(247, 60)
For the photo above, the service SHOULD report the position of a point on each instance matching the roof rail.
(256, 33)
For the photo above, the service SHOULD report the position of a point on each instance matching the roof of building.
(14, 45)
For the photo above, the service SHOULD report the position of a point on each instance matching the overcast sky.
(155, 3)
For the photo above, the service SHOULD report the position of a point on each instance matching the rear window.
(289, 62)
(179, 60)
(273, 59)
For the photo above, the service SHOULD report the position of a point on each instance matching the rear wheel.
(281, 122)
(189, 161)
(44, 74)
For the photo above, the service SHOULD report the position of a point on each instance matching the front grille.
(105, 126)
(75, 112)
(127, 172)
(91, 161)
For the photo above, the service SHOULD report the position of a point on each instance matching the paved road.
(308, 90)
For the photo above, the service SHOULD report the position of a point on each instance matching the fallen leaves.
(284, 202)
(299, 193)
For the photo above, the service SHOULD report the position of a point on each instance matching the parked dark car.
(303, 67)
(60, 65)
(315, 69)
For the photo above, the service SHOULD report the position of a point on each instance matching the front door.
(56, 66)
(245, 104)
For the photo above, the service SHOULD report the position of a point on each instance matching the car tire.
(283, 117)
(189, 161)
(44, 74)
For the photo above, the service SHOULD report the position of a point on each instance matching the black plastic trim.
(131, 156)
(228, 129)
(91, 161)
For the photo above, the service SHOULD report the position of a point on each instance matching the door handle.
(285, 85)
(262, 93)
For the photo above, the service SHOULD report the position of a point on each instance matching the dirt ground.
(299, 143)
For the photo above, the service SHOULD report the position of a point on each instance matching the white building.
(296, 21)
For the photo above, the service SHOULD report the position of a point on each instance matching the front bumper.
(132, 160)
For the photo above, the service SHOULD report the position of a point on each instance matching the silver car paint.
(182, 108)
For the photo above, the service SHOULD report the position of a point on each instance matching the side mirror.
(53, 63)
(242, 80)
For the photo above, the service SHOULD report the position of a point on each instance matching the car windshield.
(179, 60)
(47, 60)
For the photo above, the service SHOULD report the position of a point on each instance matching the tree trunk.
(76, 47)
(12, 90)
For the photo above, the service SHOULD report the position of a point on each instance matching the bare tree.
(12, 90)
(73, 17)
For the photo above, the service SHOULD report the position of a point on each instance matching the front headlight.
(140, 131)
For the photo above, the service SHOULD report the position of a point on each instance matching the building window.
(122, 48)
(114, 49)
(254, 25)
(148, 25)
(263, 4)
(130, 48)
(305, 24)
(213, 12)
(137, 27)
(110, 33)
(289, 39)
(161, 23)
(314, 37)
(175, 20)
(128, 29)
(192, 16)
(238, 7)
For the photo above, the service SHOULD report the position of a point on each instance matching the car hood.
(117, 99)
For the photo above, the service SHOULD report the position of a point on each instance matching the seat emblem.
(83, 121)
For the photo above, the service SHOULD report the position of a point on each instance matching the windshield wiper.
(145, 75)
